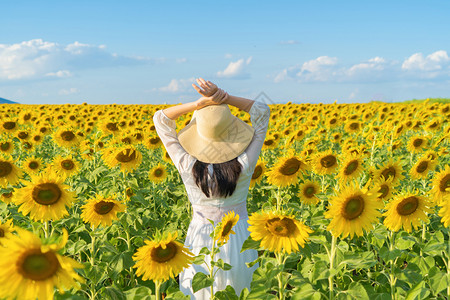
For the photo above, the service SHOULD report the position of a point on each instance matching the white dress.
(198, 234)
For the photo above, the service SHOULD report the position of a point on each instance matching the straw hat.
(215, 135)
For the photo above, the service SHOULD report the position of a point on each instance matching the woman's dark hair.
(225, 176)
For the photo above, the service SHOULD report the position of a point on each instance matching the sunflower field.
(347, 201)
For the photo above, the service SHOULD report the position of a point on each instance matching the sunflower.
(389, 169)
(108, 127)
(33, 270)
(126, 156)
(9, 125)
(162, 258)
(152, 141)
(223, 230)
(351, 167)
(352, 126)
(441, 184)
(307, 192)
(45, 197)
(258, 173)
(286, 170)
(383, 188)
(65, 166)
(351, 211)
(6, 230)
(422, 167)
(406, 210)
(9, 173)
(270, 142)
(444, 212)
(158, 173)
(32, 165)
(278, 232)
(66, 137)
(166, 156)
(325, 163)
(101, 210)
(6, 147)
(6, 197)
(87, 150)
(416, 144)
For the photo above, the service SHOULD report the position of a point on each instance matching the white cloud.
(177, 85)
(60, 74)
(235, 69)
(38, 59)
(68, 91)
(228, 55)
(433, 62)
(289, 42)
(181, 60)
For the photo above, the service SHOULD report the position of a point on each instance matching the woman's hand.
(218, 97)
(206, 89)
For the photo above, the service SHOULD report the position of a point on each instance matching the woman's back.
(214, 208)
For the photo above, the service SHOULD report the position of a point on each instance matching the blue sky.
(149, 52)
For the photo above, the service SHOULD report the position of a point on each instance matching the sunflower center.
(2, 233)
(353, 208)
(354, 125)
(257, 172)
(5, 146)
(227, 228)
(103, 207)
(407, 206)
(67, 164)
(268, 142)
(126, 156)
(162, 255)
(5, 168)
(309, 191)
(328, 161)
(384, 189)
(33, 165)
(154, 140)
(417, 142)
(38, 266)
(27, 145)
(388, 172)
(290, 167)
(22, 135)
(422, 167)
(67, 135)
(129, 192)
(444, 184)
(158, 172)
(351, 167)
(281, 227)
(46, 193)
(112, 126)
(9, 125)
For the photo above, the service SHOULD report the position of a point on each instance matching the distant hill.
(3, 100)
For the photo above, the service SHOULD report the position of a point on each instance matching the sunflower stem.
(281, 259)
(211, 270)
(332, 255)
(46, 229)
(448, 265)
(157, 289)
(392, 278)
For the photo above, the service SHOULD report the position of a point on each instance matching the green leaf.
(249, 243)
(227, 294)
(404, 242)
(359, 260)
(357, 291)
(200, 281)
(199, 259)
(387, 255)
(437, 280)
(306, 292)
(139, 293)
(424, 263)
(205, 251)
(419, 291)
(221, 265)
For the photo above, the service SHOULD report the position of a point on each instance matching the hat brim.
(231, 143)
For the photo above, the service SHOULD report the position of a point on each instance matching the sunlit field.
(347, 201)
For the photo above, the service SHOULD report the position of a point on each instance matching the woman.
(215, 154)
